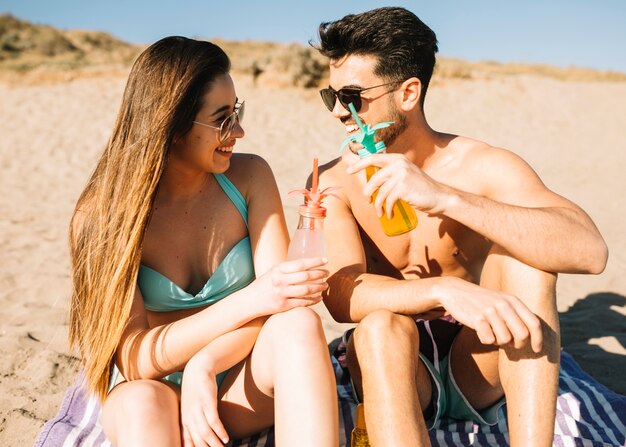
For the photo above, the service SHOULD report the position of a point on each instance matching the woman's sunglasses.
(227, 125)
(346, 95)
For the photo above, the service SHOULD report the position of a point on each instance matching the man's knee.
(381, 327)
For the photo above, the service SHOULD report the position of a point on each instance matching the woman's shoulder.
(242, 162)
(249, 172)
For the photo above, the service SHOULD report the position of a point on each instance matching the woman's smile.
(225, 151)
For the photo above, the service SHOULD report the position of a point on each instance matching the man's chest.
(438, 246)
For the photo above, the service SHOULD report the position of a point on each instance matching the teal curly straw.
(365, 137)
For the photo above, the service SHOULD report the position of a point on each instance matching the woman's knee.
(140, 411)
(301, 323)
(140, 398)
(288, 341)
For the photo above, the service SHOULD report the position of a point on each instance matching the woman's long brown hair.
(162, 97)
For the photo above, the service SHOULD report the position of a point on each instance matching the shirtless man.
(489, 232)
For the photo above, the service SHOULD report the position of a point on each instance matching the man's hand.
(398, 178)
(497, 317)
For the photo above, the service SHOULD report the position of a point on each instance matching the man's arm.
(353, 293)
(510, 206)
(499, 318)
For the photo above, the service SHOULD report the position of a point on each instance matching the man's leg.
(393, 382)
(529, 380)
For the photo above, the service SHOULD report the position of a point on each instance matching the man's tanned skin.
(486, 250)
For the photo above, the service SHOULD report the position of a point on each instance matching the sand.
(51, 136)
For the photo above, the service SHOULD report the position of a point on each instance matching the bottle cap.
(365, 137)
(313, 198)
(312, 211)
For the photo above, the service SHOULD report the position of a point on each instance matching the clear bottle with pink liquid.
(308, 240)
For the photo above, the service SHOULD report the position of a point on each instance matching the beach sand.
(51, 136)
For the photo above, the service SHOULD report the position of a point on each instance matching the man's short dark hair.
(404, 46)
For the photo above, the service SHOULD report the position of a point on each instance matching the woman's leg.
(142, 413)
(288, 381)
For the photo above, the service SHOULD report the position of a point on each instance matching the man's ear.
(411, 91)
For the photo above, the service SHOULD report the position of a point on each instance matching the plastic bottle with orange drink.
(404, 218)
(358, 437)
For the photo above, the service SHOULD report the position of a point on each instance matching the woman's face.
(201, 147)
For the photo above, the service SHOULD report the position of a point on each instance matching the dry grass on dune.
(458, 69)
(24, 46)
(39, 54)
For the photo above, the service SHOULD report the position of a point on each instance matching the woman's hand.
(290, 284)
(497, 317)
(201, 425)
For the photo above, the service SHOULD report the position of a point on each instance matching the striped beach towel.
(588, 415)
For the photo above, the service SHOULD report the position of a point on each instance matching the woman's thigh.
(243, 408)
(247, 394)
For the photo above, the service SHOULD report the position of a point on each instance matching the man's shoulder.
(475, 153)
(484, 169)
(333, 173)
(470, 147)
(331, 167)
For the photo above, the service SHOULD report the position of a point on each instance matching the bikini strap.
(234, 195)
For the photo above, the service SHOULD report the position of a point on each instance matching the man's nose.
(339, 111)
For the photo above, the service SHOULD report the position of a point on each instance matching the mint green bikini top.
(234, 272)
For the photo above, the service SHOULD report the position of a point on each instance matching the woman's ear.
(411, 91)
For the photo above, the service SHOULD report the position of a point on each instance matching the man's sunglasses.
(346, 95)
(227, 125)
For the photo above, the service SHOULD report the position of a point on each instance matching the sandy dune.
(50, 137)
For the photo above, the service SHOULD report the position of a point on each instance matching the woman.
(167, 240)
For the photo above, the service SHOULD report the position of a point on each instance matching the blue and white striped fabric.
(588, 415)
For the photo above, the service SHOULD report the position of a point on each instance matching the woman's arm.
(199, 392)
(154, 352)
(266, 221)
(227, 350)
(148, 353)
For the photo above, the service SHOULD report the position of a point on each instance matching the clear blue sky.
(585, 33)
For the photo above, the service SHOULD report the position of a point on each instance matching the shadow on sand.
(596, 316)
